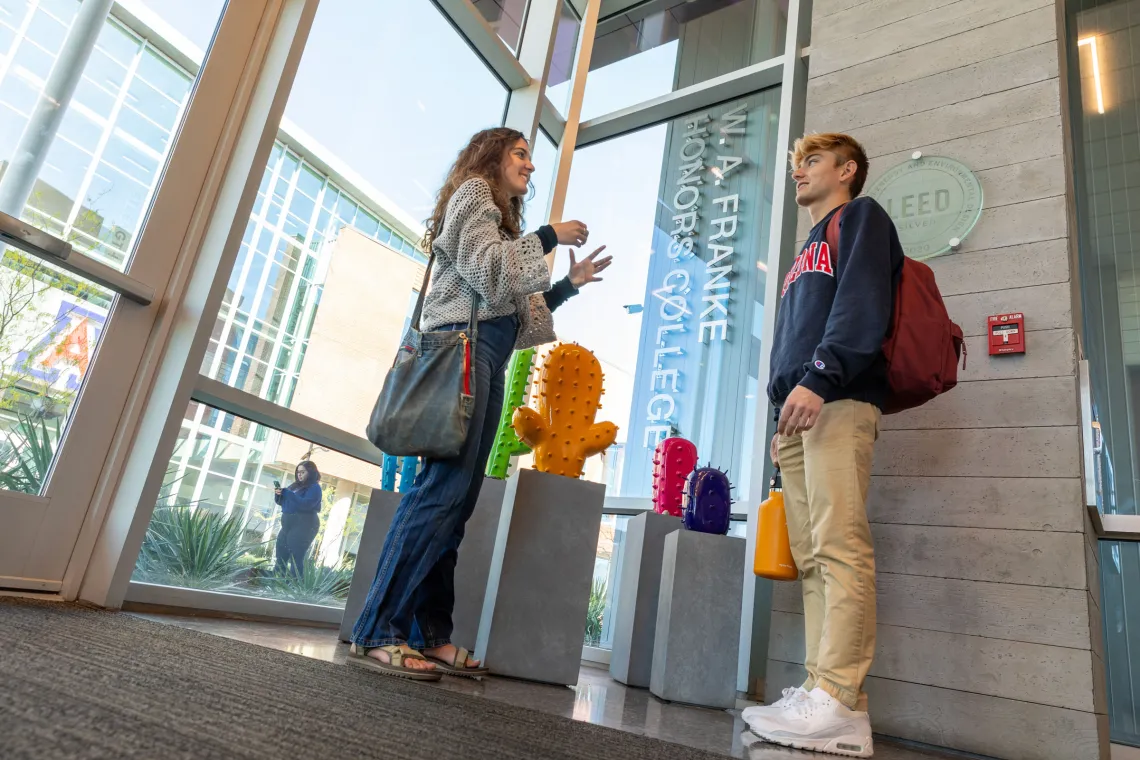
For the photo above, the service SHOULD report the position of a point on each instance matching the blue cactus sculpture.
(409, 466)
(708, 501)
(388, 473)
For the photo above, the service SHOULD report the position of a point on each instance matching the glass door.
(1104, 108)
(97, 99)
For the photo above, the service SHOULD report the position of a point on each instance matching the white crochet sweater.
(474, 255)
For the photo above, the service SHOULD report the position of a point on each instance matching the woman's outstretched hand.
(585, 271)
(571, 233)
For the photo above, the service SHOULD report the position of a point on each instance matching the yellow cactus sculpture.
(562, 432)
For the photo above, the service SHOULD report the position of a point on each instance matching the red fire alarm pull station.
(1007, 334)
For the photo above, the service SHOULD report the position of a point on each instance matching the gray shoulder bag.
(425, 406)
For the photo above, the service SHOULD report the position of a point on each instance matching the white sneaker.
(790, 695)
(817, 722)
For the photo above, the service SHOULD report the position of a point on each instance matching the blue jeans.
(298, 529)
(413, 595)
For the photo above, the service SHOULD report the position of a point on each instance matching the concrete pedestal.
(635, 618)
(471, 569)
(538, 591)
(698, 619)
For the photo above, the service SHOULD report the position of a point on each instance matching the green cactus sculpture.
(507, 443)
(562, 431)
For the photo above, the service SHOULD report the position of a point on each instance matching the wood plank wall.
(989, 620)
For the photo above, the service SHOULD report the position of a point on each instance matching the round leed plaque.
(934, 202)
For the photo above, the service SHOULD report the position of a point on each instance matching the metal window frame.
(475, 30)
(178, 366)
(759, 76)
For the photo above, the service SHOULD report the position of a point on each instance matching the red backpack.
(922, 346)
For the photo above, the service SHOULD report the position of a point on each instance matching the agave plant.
(27, 453)
(193, 548)
(595, 612)
(315, 584)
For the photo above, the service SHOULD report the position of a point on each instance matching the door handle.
(43, 245)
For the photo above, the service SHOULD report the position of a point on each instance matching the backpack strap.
(831, 235)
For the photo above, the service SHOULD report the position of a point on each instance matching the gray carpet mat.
(81, 683)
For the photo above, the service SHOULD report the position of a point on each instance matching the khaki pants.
(826, 473)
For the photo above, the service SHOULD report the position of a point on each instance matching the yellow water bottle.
(773, 549)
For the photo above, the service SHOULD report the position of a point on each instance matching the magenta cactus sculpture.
(673, 460)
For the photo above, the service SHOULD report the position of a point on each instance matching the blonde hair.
(845, 148)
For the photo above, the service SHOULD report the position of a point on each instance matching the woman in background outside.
(300, 506)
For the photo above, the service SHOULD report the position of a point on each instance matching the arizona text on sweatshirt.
(835, 309)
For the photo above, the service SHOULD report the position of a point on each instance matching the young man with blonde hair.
(828, 380)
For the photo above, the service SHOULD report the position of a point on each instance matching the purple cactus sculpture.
(674, 459)
(708, 501)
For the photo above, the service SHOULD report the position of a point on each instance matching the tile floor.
(596, 699)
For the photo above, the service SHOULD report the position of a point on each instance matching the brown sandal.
(397, 655)
(454, 669)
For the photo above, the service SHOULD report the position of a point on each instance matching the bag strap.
(423, 294)
(831, 235)
(473, 322)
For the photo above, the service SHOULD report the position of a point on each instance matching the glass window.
(91, 96)
(186, 17)
(231, 509)
(104, 71)
(604, 587)
(46, 30)
(82, 130)
(505, 17)
(164, 76)
(60, 179)
(649, 50)
(20, 96)
(121, 45)
(1120, 577)
(13, 12)
(32, 63)
(368, 224)
(146, 100)
(93, 183)
(452, 95)
(676, 324)
(99, 208)
(562, 62)
(543, 155)
(1103, 40)
(309, 308)
(113, 207)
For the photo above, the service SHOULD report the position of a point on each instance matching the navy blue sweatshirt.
(302, 499)
(835, 310)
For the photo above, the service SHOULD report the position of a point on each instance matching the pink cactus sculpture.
(673, 460)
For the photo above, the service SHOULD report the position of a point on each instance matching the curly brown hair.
(482, 157)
